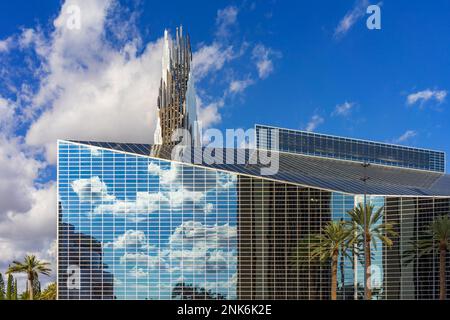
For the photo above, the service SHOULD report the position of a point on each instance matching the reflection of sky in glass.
(160, 223)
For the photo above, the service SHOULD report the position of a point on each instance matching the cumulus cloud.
(87, 85)
(31, 232)
(315, 121)
(18, 170)
(263, 57)
(209, 114)
(351, 17)
(27, 209)
(424, 96)
(91, 87)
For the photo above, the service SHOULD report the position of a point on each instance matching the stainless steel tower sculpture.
(177, 107)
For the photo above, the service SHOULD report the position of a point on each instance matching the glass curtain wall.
(137, 228)
(134, 227)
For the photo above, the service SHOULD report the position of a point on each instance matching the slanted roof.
(315, 172)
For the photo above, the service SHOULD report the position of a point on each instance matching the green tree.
(36, 291)
(9, 287)
(2, 288)
(14, 297)
(326, 248)
(49, 293)
(437, 238)
(367, 235)
(32, 267)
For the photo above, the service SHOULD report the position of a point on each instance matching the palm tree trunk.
(442, 276)
(30, 287)
(368, 266)
(334, 264)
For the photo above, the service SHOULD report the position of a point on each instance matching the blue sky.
(298, 64)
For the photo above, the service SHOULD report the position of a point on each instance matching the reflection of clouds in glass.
(92, 189)
(209, 208)
(95, 152)
(198, 250)
(130, 240)
(147, 256)
(176, 176)
(145, 203)
(226, 180)
(142, 260)
(196, 234)
(138, 273)
(228, 286)
(167, 176)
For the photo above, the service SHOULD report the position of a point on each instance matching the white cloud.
(406, 136)
(315, 121)
(427, 95)
(5, 45)
(344, 109)
(263, 57)
(7, 119)
(209, 114)
(18, 170)
(31, 232)
(27, 209)
(226, 18)
(239, 86)
(87, 88)
(210, 58)
(351, 17)
(91, 87)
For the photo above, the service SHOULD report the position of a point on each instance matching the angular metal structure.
(177, 108)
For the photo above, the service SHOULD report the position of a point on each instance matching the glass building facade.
(308, 143)
(136, 227)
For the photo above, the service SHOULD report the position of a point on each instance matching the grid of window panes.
(278, 222)
(133, 227)
(309, 143)
(418, 279)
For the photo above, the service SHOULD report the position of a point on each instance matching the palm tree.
(367, 235)
(437, 238)
(32, 267)
(49, 293)
(326, 247)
